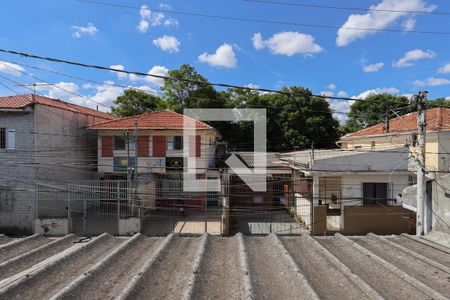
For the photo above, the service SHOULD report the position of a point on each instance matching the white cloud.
(223, 57)
(287, 43)
(167, 43)
(342, 94)
(80, 31)
(170, 22)
(10, 68)
(143, 26)
(165, 6)
(409, 24)
(379, 19)
(339, 108)
(445, 69)
(327, 93)
(390, 90)
(373, 67)
(157, 70)
(153, 19)
(331, 86)
(411, 56)
(432, 82)
(258, 41)
(122, 76)
(102, 95)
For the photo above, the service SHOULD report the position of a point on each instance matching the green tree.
(196, 93)
(374, 110)
(135, 102)
(292, 121)
(439, 102)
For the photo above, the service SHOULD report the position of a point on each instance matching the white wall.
(352, 185)
(157, 164)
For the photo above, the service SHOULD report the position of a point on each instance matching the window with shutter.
(107, 146)
(195, 145)
(159, 146)
(143, 149)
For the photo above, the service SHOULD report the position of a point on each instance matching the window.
(119, 142)
(6, 199)
(374, 193)
(2, 138)
(174, 143)
(7, 138)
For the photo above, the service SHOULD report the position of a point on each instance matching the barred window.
(2, 138)
(6, 200)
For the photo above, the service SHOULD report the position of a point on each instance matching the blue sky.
(328, 61)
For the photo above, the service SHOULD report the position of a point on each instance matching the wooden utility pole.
(420, 161)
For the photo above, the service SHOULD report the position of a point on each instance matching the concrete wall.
(157, 164)
(441, 204)
(437, 146)
(359, 220)
(66, 151)
(17, 175)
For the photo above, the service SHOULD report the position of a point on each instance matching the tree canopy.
(136, 102)
(292, 121)
(374, 110)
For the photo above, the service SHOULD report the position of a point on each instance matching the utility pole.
(421, 102)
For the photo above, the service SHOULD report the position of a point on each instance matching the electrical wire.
(308, 5)
(264, 21)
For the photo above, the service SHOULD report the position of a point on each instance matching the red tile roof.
(438, 119)
(165, 119)
(23, 101)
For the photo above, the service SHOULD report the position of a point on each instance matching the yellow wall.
(437, 156)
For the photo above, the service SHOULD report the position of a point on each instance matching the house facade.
(359, 188)
(151, 148)
(43, 145)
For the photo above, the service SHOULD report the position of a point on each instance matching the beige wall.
(157, 164)
(437, 146)
(359, 220)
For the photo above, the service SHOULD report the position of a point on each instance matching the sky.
(150, 36)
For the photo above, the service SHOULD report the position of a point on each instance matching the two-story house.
(44, 145)
(150, 147)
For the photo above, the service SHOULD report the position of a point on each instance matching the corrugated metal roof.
(214, 267)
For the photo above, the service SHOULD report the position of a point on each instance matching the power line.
(224, 85)
(56, 86)
(203, 15)
(129, 87)
(347, 7)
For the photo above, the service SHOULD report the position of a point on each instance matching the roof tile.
(22, 101)
(165, 119)
(438, 119)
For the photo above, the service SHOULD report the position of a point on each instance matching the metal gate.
(95, 207)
